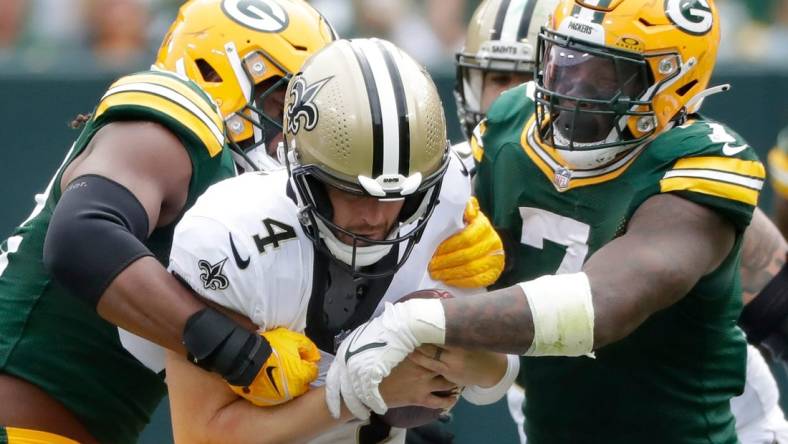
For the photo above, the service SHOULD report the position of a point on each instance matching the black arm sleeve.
(95, 232)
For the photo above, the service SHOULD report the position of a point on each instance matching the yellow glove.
(287, 372)
(471, 258)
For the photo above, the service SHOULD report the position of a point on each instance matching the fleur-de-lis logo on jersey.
(302, 109)
(212, 275)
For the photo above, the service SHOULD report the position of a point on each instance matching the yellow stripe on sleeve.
(187, 118)
(27, 436)
(177, 85)
(751, 168)
(711, 187)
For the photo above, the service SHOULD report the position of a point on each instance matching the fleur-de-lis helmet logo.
(212, 275)
(302, 109)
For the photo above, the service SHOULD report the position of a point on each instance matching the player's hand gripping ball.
(414, 416)
(287, 373)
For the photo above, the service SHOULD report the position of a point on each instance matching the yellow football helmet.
(242, 53)
(612, 74)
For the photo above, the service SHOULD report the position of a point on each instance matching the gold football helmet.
(501, 37)
(242, 53)
(365, 118)
(611, 74)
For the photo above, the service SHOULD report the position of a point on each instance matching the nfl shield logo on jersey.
(561, 178)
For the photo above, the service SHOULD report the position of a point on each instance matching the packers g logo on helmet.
(302, 105)
(691, 16)
(260, 15)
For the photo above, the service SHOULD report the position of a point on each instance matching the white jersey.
(241, 246)
(759, 418)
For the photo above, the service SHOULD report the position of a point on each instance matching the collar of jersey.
(550, 162)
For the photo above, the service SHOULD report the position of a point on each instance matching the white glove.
(370, 353)
(338, 382)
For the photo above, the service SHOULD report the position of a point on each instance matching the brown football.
(413, 416)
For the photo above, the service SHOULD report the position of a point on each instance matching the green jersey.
(51, 339)
(671, 380)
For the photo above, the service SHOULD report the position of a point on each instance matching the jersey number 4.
(278, 232)
(539, 225)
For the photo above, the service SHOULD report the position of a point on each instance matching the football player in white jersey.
(370, 191)
(499, 54)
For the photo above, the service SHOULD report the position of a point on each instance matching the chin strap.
(693, 104)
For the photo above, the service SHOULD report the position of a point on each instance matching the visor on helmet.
(586, 94)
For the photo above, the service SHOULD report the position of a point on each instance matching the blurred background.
(58, 56)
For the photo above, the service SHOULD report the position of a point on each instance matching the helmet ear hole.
(411, 205)
(208, 73)
(320, 197)
(685, 89)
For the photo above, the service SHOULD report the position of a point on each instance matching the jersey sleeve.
(718, 170)
(201, 257)
(170, 100)
(235, 250)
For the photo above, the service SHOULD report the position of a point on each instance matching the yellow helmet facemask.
(242, 53)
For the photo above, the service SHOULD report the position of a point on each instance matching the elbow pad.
(95, 232)
(765, 319)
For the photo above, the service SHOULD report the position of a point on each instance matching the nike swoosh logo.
(242, 264)
(729, 150)
(270, 373)
(349, 353)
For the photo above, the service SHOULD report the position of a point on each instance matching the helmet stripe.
(511, 23)
(402, 108)
(525, 21)
(499, 19)
(374, 109)
(388, 104)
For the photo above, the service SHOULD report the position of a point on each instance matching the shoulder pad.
(238, 247)
(167, 98)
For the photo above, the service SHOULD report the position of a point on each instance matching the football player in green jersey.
(103, 228)
(494, 60)
(629, 207)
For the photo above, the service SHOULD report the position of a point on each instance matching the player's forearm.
(299, 420)
(671, 243)
(497, 321)
(148, 301)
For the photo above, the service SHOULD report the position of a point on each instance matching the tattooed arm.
(669, 245)
(763, 255)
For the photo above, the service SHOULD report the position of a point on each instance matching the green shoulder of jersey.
(165, 97)
(504, 121)
(176, 103)
(708, 163)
